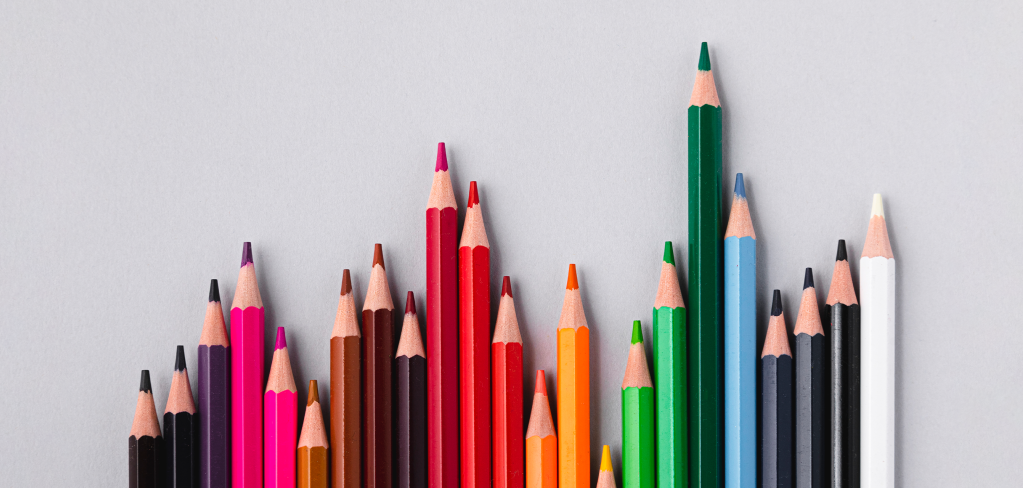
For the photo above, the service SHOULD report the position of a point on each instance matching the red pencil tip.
(541, 383)
(378, 256)
(410, 304)
(442, 158)
(474, 197)
(281, 341)
(346, 282)
(506, 287)
(573, 282)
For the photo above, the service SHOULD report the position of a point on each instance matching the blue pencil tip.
(740, 187)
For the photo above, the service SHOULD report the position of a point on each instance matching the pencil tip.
(179, 359)
(282, 341)
(573, 282)
(541, 383)
(346, 282)
(474, 197)
(214, 291)
(808, 278)
(605, 458)
(246, 253)
(842, 256)
(314, 393)
(410, 303)
(740, 186)
(877, 208)
(145, 386)
(776, 304)
(637, 331)
(669, 254)
(506, 287)
(378, 256)
(442, 158)
(704, 58)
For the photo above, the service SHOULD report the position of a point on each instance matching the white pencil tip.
(878, 207)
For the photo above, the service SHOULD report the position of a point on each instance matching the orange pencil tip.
(573, 282)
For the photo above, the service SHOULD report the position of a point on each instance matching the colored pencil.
(740, 343)
(214, 396)
(345, 357)
(179, 427)
(146, 463)
(877, 354)
(442, 327)
(377, 354)
(247, 316)
(669, 343)
(312, 444)
(706, 396)
(573, 389)
(280, 419)
(637, 417)
(778, 445)
(410, 363)
(844, 311)
(541, 440)
(810, 389)
(606, 475)
(474, 346)
(507, 388)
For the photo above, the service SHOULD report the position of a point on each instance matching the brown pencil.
(410, 362)
(377, 354)
(344, 390)
(312, 444)
(145, 444)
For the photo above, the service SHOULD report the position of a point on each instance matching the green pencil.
(637, 417)
(706, 376)
(670, 377)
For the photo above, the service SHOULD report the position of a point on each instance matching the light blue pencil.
(740, 344)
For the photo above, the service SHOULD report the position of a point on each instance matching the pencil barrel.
(377, 406)
(146, 467)
(345, 424)
(669, 348)
(312, 465)
(411, 422)
(214, 407)
(179, 434)
(442, 345)
(247, 371)
(474, 363)
(280, 438)
(638, 437)
(810, 393)
(508, 415)
(574, 407)
(778, 424)
(740, 283)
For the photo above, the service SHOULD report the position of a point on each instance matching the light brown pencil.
(312, 444)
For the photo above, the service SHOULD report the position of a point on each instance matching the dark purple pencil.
(214, 397)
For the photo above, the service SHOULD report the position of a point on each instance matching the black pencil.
(145, 444)
(844, 312)
(810, 389)
(179, 427)
(777, 445)
(410, 363)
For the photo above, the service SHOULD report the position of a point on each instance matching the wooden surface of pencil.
(280, 419)
(573, 389)
(740, 343)
(606, 475)
(247, 316)
(410, 364)
(669, 345)
(810, 389)
(637, 417)
(345, 400)
(706, 396)
(214, 396)
(844, 312)
(377, 357)
(778, 422)
(877, 354)
(541, 440)
(180, 424)
(442, 327)
(474, 346)
(146, 458)
(312, 444)
(507, 389)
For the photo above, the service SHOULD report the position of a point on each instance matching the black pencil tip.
(146, 386)
(776, 304)
(808, 279)
(842, 256)
(214, 291)
(179, 359)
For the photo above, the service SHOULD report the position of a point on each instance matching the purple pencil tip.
(246, 253)
(281, 341)
(442, 158)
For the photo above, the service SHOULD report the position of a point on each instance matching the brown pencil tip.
(378, 256)
(573, 281)
(314, 393)
(346, 282)
(506, 287)
(410, 304)
(541, 383)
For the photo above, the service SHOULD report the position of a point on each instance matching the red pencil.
(442, 328)
(507, 389)
(474, 341)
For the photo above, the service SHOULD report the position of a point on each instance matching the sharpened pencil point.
(378, 256)
(179, 359)
(281, 341)
(442, 158)
(214, 291)
(346, 282)
(474, 196)
(314, 393)
(704, 58)
(808, 278)
(573, 282)
(410, 303)
(541, 383)
(776, 304)
(669, 254)
(506, 287)
(740, 186)
(877, 208)
(145, 386)
(842, 256)
(246, 254)
(605, 459)
(637, 331)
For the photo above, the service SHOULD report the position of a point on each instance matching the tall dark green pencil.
(637, 417)
(670, 378)
(706, 376)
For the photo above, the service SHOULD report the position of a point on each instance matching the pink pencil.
(280, 419)
(247, 378)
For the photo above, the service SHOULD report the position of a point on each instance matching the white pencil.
(877, 353)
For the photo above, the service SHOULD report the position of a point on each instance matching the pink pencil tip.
(442, 158)
(281, 341)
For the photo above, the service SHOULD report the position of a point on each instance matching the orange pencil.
(541, 440)
(573, 389)
(312, 444)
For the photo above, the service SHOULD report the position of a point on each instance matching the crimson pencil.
(474, 345)
(377, 357)
(507, 389)
(247, 317)
(214, 397)
(280, 419)
(442, 327)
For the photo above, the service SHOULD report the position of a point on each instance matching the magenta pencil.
(280, 419)
(247, 378)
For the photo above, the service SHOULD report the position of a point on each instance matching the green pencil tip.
(704, 58)
(637, 332)
(669, 255)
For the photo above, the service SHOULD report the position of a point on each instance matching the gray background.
(141, 143)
